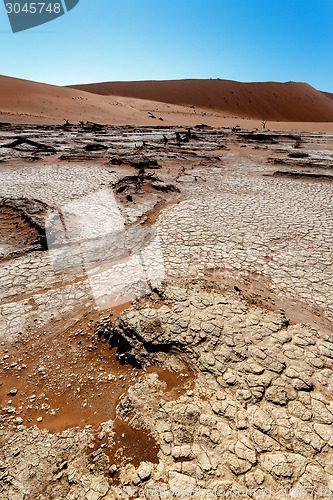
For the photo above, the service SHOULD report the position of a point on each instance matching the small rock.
(101, 436)
(72, 477)
(112, 470)
(9, 409)
(144, 471)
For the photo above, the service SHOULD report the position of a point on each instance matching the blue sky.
(107, 40)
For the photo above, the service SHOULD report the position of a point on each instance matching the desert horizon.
(283, 106)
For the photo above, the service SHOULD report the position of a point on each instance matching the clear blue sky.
(107, 40)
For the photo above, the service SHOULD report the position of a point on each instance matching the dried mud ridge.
(22, 226)
(297, 175)
(259, 414)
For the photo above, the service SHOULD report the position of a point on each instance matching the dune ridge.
(289, 101)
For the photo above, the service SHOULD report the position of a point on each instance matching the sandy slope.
(270, 101)
(327, 94)
(26, 101)
(23, 98)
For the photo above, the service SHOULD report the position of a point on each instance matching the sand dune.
(270, 101)
(328, 94)
(26, 101)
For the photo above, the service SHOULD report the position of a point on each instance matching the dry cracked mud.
(188, 350)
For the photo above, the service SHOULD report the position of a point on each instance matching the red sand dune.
(291, 101)
(26, 100)
(328, 95)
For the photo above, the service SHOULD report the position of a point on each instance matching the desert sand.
(290, 106)
(272, 101)
(23, 99)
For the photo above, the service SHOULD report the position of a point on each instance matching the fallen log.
(22, 140)
(95, 147)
